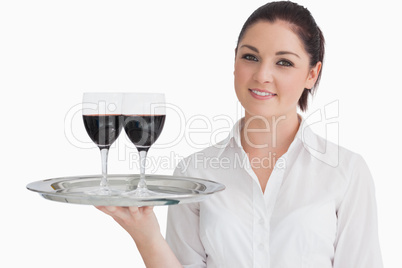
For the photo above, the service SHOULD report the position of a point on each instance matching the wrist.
(147, 240)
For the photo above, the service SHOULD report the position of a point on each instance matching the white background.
(52, 51)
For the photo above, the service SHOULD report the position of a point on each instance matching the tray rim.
(184, 198)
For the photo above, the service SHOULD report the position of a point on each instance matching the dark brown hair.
(302, 24)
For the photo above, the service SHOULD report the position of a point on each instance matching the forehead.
(277, 35)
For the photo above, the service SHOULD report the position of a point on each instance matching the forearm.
(156, 253)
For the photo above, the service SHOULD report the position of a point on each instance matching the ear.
(313, 75)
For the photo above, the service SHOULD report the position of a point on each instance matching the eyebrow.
(251, 48)
(286, 52)
(279, 53)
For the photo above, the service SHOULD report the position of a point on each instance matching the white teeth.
(259, 93)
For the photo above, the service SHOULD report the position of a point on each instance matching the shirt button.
(261, 221)
(261, 246)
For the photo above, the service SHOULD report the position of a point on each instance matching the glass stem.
(142, 185)
(104, 183)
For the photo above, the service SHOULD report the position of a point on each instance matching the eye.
(249, 57)
(285, 63)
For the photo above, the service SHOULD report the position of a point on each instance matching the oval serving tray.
(172, 190)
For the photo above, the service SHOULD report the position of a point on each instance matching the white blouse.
(318, 209)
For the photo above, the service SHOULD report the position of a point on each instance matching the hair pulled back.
(303, 25)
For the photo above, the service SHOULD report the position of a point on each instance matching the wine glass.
(103, 122)
(144, 117)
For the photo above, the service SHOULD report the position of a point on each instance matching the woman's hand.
(140, 222)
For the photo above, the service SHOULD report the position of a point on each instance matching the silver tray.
(174, 190)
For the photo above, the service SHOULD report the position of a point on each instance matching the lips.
(261, 94)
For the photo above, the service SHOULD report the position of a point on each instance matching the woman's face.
(271, 70)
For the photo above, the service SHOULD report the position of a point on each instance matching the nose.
(263, 74)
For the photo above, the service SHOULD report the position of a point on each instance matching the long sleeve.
(183, 232)
(357, 243)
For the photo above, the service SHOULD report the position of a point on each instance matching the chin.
(266, 113)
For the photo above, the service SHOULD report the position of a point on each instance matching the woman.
(284, 204)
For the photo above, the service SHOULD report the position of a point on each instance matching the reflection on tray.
(172, 190)
(169, 186)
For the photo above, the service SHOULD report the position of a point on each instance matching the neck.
(274, 133)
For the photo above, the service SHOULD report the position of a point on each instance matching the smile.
(261, 94)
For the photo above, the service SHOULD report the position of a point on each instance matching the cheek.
(240, 77)
(292, 85)
(239, 72)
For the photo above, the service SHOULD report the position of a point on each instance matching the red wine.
(143, 130)
(103, 129)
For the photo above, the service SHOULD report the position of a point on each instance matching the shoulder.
(328, 152)
(341, 169)
(336, 160)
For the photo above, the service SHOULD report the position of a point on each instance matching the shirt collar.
(234, 140)
(305, 139)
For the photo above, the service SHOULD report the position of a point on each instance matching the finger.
(134, 211)
(137, 212)
(118, 212)
(111, 211)
(103, 209)
(107, 209)
(147, 210)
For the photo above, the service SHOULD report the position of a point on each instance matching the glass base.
(141, 192)
(104, 192)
